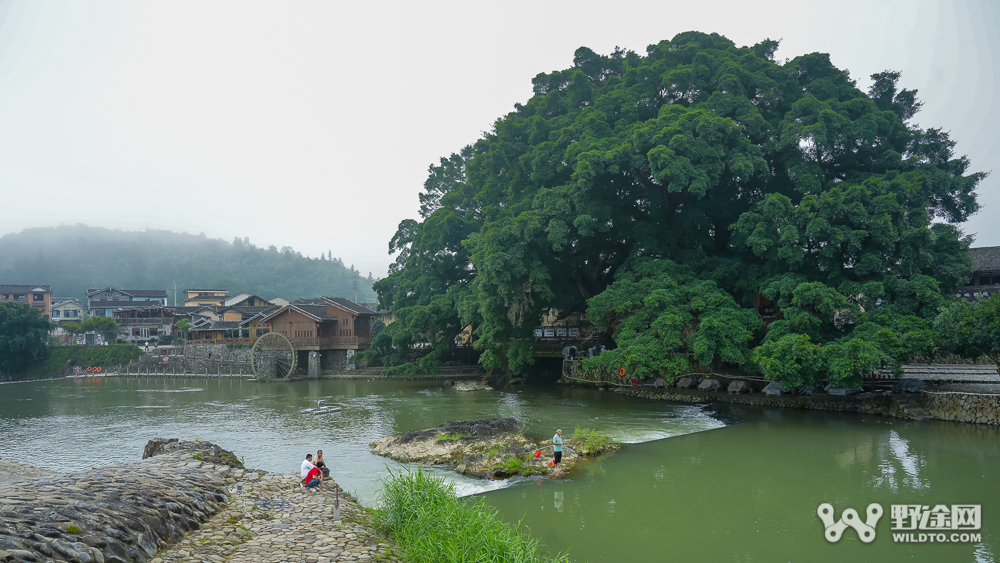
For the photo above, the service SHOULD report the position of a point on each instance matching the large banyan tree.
(669, 195)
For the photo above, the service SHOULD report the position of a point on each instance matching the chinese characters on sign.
(908, 518)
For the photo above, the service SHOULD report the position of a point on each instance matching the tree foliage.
(665, 320)
(105, 326)
(764, 178)
(24, 333)
(971, 328)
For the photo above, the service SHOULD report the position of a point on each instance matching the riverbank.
(925, 405)
(193, 503)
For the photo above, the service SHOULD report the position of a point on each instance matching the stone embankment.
(190, 501)
(924, 405)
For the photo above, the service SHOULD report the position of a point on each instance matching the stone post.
(314, 367)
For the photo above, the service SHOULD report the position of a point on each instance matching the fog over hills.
(73, 258)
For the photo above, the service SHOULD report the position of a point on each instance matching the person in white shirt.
(306, 466)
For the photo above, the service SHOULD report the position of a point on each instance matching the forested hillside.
(73, 258)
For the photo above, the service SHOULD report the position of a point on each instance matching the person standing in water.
(557, 447)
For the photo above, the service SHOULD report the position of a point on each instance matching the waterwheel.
(272, 356)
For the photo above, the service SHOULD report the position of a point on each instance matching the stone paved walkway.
(273, 520)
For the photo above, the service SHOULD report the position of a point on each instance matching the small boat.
(320, 409)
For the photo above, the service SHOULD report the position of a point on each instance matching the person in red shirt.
(313, 478)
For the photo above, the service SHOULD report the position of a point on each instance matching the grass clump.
(73, 529)
(588, 442)
(425, 518)
(513, 465)
(444, 437)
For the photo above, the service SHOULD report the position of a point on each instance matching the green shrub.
(513, 465)
(444, 437)
(405, 370)
(423, 516)
(85, 357)
(588, 442)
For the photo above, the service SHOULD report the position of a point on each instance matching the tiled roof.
(308, 301)
(349, 306)
(24, 288)
(182, 309)
(64, 300)
(318, 311)
(132, 292)
(127, 305)
(219, 325)
(374, 307)
(985, 259)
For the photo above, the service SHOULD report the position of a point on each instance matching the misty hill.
(73, 258)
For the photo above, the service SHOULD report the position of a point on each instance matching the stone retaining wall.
(926, 405)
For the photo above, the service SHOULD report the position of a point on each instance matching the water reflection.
(749, 492)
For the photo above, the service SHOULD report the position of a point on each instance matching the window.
(36, 297)
(55, 314)
(18, 296)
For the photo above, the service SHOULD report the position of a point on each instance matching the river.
(740, 484)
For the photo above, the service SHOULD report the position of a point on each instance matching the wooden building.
(327, 323)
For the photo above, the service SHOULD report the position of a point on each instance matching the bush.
(427, 520)
(85, 357)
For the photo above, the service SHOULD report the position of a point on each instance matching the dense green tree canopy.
(761, 177)
(24, 334)
(971, 328)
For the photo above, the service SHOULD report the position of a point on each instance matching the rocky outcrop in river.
(487, 448)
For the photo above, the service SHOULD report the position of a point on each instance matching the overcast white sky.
(312, 124)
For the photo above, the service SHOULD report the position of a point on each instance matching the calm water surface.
(738, 493)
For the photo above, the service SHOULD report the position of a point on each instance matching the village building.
(245, 299)
(985, 280)
(332, 326)
(384, 314)
(67, 309)
(279, 301)
(141, 313)
(195, 297)
(38, 296)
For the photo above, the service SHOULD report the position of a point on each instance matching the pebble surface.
(274, 520)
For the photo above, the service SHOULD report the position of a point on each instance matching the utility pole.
(175, 293)
(357, 276)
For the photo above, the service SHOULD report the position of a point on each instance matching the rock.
(774, 388)
(206, 452)
(908, 385)
(471, 386)
(155, 446)
(738, 386)
(23, 555)
(709, 385)
(8, 543)
(686, 383)
(66, 549)
(841, 391)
